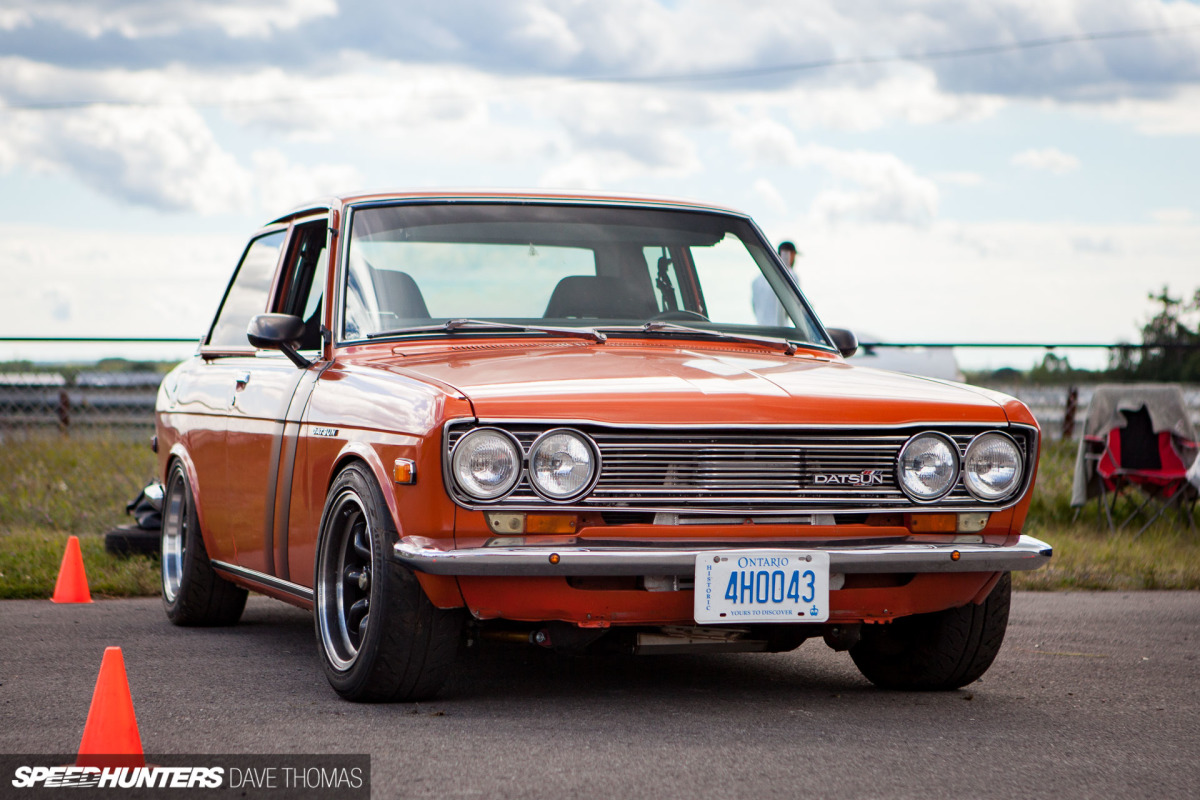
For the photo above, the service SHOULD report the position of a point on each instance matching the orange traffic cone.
(72, 586)
(110, 736)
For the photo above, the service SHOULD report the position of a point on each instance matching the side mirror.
(278, 332)
(845, 341)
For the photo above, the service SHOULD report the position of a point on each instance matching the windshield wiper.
(452, 325)
(662, 326)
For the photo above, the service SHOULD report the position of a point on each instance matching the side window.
(304, 284)
(248, 294)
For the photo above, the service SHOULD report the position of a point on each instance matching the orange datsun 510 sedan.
(581, 422)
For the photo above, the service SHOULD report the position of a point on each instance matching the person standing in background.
(767, 309)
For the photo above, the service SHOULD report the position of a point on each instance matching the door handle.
(241, 381)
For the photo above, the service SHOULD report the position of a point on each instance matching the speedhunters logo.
(868, 477)
(240, 776)
(119, 777)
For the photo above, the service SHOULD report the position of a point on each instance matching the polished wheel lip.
(174, 540)
(333, 605)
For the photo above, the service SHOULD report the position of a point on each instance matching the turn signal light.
(551, 523)
(933, 523)
(507, 524)
(405, 471)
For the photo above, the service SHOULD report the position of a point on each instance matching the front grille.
(748, 470)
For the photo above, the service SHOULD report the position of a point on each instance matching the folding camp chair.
(1155, 464)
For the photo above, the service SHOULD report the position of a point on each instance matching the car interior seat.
(595, 296)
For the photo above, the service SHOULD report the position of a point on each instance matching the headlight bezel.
(587, 486)
(460, 448)
(956, 460)
(1018, 478)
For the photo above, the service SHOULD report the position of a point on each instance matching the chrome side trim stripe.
(278, 584)
(1027, 554)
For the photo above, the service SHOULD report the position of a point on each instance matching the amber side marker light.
(405, 471)
(955, 556)
(555, 558)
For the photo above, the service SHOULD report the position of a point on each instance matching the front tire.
(193, 593)
(936, 652)
(380, 638)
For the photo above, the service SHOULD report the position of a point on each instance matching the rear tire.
(936, 652)
(380, 638)
(193, 593)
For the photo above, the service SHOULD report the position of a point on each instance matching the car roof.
(499, 195)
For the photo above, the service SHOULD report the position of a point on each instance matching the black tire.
(380, 638)
(936, 652)
(193, 593)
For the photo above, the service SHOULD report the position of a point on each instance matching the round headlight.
(486, 463)
(927, 466)
(562, 464)
(992, 467)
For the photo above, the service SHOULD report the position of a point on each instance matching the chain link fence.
(109, 402)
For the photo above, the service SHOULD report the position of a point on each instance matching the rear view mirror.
(845, 341)
(278, 332)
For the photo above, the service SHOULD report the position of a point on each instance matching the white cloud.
(550, 32)
(1175, 114)
(908, 94)
(281, 184)
(1047, 159)
(771, 197)
(14, 18)
(56, 301)
(162, 157)
(137, 19)
(1173, 216)
(1050, 289)
(862, 185)
(964, 179)
(100, 283)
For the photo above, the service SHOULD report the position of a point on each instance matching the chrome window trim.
(271, 581)
(741, 506)
(209, 351)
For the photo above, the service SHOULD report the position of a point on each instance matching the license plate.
(762, 586)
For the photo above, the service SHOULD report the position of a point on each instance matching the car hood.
(638, 383)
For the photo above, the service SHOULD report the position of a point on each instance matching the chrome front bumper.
(1028, 553)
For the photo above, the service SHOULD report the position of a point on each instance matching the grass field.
(54, 486)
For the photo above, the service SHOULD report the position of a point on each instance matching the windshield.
(416, 266)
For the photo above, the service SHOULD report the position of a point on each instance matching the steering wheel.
(680, 313)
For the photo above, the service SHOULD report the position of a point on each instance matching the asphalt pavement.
(1093, 695)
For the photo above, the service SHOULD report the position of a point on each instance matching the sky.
(951, 170)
